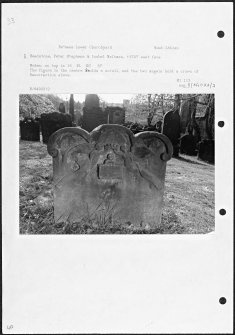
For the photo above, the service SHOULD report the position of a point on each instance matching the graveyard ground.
(188, 200)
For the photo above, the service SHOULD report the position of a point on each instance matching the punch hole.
(220, 34)
(221, 124)
(222, 211)
(222, 300)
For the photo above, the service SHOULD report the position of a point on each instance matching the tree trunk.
(71, 106)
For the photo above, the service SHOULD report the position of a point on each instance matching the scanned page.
(117, 160)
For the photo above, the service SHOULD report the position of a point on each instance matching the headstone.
(62, 108)
(116, 115)
(206, 151)
(109, 174)
(92, 101)
(188, 145)
(50, 122)
(93, 115)
(30, 129)
(171, 128)
(201, 121)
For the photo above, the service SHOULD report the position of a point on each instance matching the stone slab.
(109, 174)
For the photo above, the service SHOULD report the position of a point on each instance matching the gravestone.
(201, 122)
(206, 151)
(50, 122)
(62, 108)
(93, 115)
(188, 144)
(92, 101)
(30, 129)
(109, 174)
(116, 115)
(171, 128)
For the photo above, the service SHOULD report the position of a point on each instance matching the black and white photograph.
(117, 168)
(99, 163)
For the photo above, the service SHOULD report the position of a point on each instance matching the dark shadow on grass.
(180, 158)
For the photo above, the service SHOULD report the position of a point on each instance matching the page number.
(9, 327)
(10, 20)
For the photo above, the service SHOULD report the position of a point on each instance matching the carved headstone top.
(108, 173)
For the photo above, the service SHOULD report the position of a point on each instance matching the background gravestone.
(109, 174)
(206, 151)
(30, 129)
(62, 108)
(93, 115)
(50, 122)
(92, 101)
(188, 144)
(116, 115)
(171, 128)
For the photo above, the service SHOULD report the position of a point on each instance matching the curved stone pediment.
(109, 173)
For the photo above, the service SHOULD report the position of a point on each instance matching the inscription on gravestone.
(109, 174)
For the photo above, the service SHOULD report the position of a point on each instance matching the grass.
(188, 199)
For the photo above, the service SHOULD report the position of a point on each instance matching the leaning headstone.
(109, 174)
(93, 115)
(206, 151)
(30, 129)
(116, 115)
(50, 122)
(171, 128)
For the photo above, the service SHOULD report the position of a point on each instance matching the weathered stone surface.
(171, 128)
(206, 151)
(50, 122)
(109, 174)
(29, 130)
(116, 115)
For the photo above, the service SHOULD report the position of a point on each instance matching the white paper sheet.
(118, 283)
